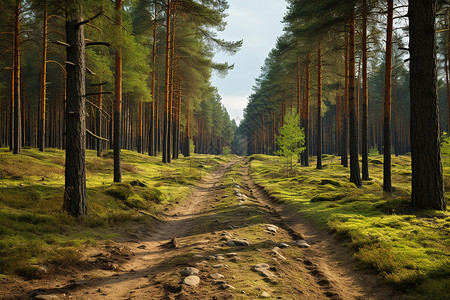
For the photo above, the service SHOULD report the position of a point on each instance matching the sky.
(258, 23)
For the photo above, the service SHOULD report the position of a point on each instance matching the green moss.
(408, 248)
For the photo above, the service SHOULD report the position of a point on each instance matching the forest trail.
(146, 263)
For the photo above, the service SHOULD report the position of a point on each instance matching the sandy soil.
(145, 264)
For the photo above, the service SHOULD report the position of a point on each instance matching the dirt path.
(199, 233)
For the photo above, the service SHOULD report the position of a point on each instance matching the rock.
(219, 266)
(46, 297)
(219, 282)
(216, 276)
(227, 286)
(272, 225)
(41, 271)
(261, 266)
(303, 244)
(278, 254)
(192, 280)
(265, 295)
(283, 245)
(231, 254)
(220, 257)
(235, 259)
(237, 242)
(265, 273)
(271, 229)
(189, 271)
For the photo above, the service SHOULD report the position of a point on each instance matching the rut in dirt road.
(227, 240)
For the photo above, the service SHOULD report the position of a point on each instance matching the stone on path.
(189, 271)
(192, 280)
(265, 295)
(46, 297)
(216, 276)
(303, 244)
(237, 242)
(227, 286)
(263, 270)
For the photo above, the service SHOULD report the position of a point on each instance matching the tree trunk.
(387, 184)
(16, 69)
(153, 105)
(118, 104)
(427, 180)
(75, 202)
(344, 151)
(355, 175)
(305, 113)
(166, 137)
(43, 85)
(319, 109)
(365, 112)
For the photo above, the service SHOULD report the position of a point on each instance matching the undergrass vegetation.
(409, 248)
(34, 231)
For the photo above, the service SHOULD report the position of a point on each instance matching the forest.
(123, 175)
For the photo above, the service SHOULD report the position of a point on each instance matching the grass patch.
(33, 228)
(409, 248)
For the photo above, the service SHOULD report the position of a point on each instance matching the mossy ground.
(408, 248)
(35, 230)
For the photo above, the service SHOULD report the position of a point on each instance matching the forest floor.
(215, 237)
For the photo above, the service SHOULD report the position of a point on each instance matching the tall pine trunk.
(387, 184)
(355, 175)
(365, 112)
(43, 85)
(344, 145)
(118, 104)
(75, 202)
(17, 148)
(98, 124)
(305, 113)
(319, 109)
(166, 136)
(427, 179)
(153, 105)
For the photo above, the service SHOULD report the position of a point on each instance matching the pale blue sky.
(258, 23)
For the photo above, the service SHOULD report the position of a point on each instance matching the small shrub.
(153, 195)
(120, 191)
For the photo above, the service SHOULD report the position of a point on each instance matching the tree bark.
(427, 180)
(99, 122)
(166, 137)
(344, 151)
(43, 85)
(16, 69)
(118, 104)
(387, 183)
(365, 112)
(355, 175)
(75, 202)
(305, 113)
(319, 109)
(153, 105)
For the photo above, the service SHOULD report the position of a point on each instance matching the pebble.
(46, 297)
(189, 271)
(216, 276)
(303, 244)
(220, 257)
(261, 266)
(265, 295)
(236, 242)
(227, 286)
(235, 259)
(219, 266)
(192, 280)
(231, 254)
(275, 251)
(283, 245)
